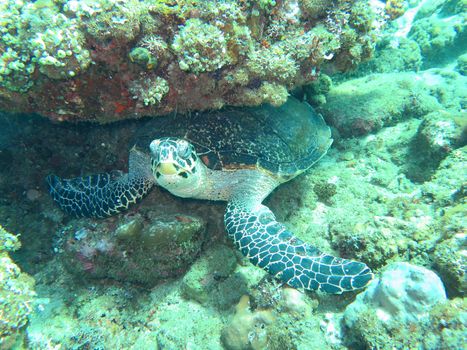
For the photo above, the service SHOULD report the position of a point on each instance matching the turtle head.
(176, 166)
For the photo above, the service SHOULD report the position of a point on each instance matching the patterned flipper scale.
(103, 195)
(269, 245)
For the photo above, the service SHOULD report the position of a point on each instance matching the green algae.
(143, 57)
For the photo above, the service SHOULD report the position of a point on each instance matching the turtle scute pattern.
(269, 245)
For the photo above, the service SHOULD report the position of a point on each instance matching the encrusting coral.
(248, 329)
(16, 294)
(107, 60)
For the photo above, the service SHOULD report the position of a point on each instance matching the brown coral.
(395, 8)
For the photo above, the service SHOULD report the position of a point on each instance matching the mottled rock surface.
(401, 298)
(364, 105)
(404, 293)
(145, 248)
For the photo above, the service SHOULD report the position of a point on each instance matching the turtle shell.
(283, 141)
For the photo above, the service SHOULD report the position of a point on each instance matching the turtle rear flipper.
(102, 195)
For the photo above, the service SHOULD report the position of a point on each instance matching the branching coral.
(150, 91)
(201, 47)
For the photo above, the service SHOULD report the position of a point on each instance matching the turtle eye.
(155, 158)
(184, 150)
(154, 148)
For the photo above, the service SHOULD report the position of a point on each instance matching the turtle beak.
(167, 168)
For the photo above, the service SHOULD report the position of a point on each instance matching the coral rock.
(139, 250)
(216, 264)
(248, 329)
(16, 295)
(360, 106)
(404, 293)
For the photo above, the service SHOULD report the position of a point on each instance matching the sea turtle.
(238, 155)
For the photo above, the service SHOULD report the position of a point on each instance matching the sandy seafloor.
(391, 189)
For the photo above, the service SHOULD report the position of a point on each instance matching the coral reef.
(150, 91)
(268, 319)
(429, 34)
(29, 44)
(361, 106)
(17, 295)
(391, 189)
(314, 8)
(201, 47)
(107, 60)
(403, 293)
(439, 30)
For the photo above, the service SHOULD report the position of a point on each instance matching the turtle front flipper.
(103, 195)
(269, 245)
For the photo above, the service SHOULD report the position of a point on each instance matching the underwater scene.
(238, 175)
